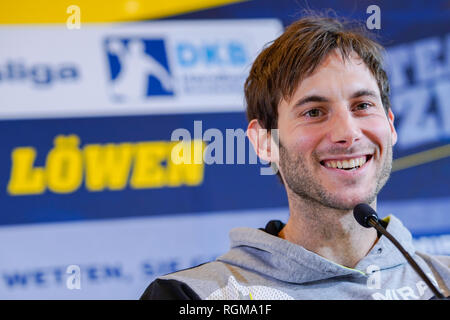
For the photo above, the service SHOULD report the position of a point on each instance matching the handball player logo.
(138, 69)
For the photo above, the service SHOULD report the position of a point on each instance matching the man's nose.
(344, 129)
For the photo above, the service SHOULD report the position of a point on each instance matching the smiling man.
(322, 87)
(335, 151)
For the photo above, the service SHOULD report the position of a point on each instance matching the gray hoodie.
(261, 265)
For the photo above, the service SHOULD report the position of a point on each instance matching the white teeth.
(346, 164)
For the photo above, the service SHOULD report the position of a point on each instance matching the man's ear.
(264, 142)
(391, 118)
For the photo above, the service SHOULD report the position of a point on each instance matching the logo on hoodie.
(235, 291)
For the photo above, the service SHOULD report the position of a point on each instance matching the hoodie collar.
(260, 250)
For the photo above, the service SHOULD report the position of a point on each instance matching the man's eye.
(363, 106)
(313, 113)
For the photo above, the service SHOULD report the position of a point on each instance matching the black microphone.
(367, 217)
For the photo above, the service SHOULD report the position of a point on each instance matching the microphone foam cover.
(362, 212)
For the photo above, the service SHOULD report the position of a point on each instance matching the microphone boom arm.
(374, 223)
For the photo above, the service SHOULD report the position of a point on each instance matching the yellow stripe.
(421, 158)
(361, 272)
(96, 11)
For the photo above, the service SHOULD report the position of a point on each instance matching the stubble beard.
(302, 183)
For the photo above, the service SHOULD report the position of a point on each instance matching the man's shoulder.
(445, 260)
(440, 260)
(169, 289)
(193, 283)
(440, 267)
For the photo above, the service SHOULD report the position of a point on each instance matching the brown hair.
(296, 54)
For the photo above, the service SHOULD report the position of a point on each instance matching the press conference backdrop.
(92, 204)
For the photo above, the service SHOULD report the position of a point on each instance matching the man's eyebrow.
(312, 98)
(364, 92)
(317, 98)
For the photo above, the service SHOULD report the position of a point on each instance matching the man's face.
(335, 137)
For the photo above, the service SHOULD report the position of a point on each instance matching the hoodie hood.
(261, 251)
